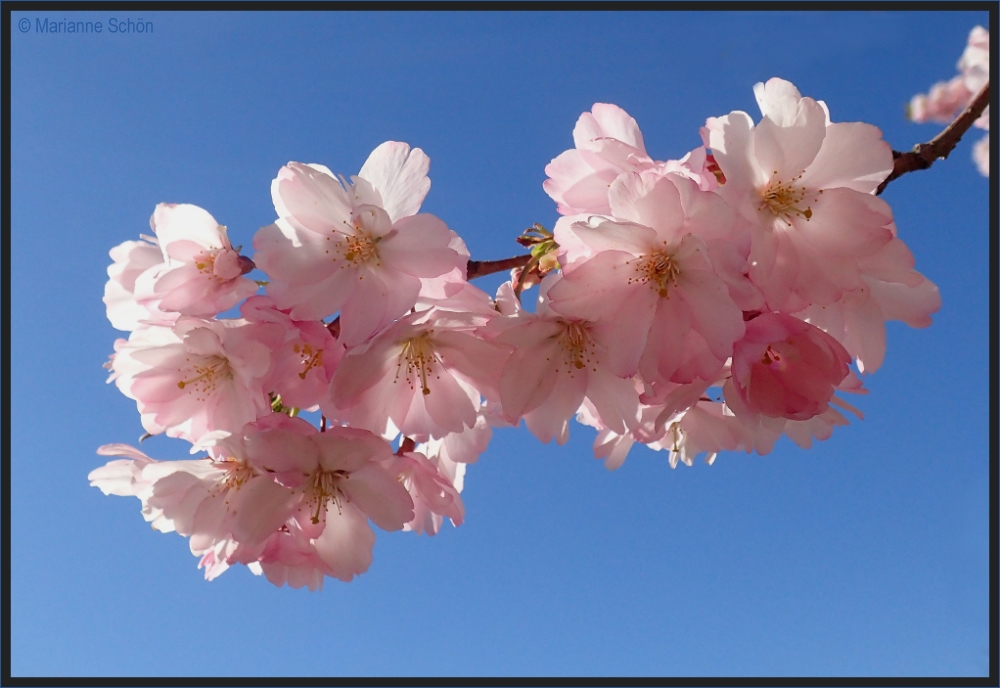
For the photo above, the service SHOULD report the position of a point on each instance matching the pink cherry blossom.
(201, 273)
(434, 485)
(212, 501)
(558, 362)
(340, 482)
(304, 362)
(891, 290)
(131, 259)
(423, 376)
(196, 376)
(786, 368)
(942, 103)
(981, 155)
(357, 248)
(651, 286)
(804, 186)
(760, 432)
(608, 142)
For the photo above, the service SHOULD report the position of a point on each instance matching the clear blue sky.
(866, 555)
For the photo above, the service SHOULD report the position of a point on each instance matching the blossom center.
(358, 247)
(322, 487)
(418, 359)
(238, 472)
(311, 358)
(784, 199)
(578, 346)
(204, 376)
(659, 270)
(776, 357)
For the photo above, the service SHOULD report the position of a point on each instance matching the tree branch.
(481, 268)
(923, 155)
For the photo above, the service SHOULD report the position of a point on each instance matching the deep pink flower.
(786, 368)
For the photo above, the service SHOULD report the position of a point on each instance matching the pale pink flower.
(784, 367)
(304, 362)
(805, 187)
(652, 287)
(339, 482)
(944, 101)
(196, 376)
(423, 376)
(947, 99)
(131, 259)
(212, 501)
(558, 362)
(608, 142)
(358, 248)
(460, 447)
(289, 556)
(891, 290)
(975, 61)
(981, 155)
(432, 486)
(201, 274)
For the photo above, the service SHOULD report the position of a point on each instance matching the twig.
(481, 268)
(923, 155)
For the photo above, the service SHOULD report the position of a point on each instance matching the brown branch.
(923, 155)
(481, 268)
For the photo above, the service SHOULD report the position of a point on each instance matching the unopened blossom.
(358, 248)
(424, 376)
(201, 274)
(652, 287)
(786, 368)
(131, 259)
(196, 376)
(805, 188)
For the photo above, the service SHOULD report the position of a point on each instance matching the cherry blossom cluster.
(948, 98)
(715, 302)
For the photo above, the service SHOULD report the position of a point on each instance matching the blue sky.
(866, 555)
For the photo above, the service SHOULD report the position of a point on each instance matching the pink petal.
(400, 175)
(383, 498)
(345, 545)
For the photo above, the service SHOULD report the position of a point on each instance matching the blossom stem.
(923, 155)
(481, 268)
